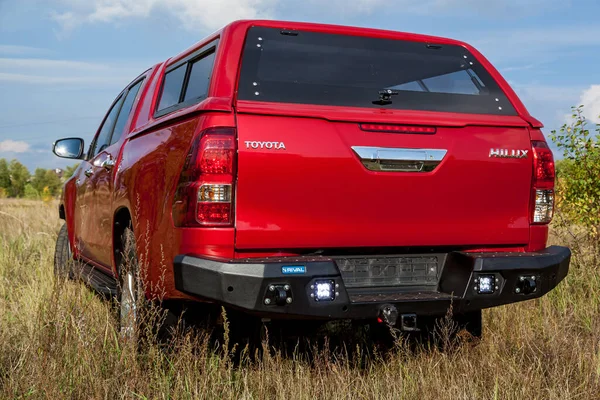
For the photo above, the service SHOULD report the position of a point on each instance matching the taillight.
(543, 183)
(204, 195)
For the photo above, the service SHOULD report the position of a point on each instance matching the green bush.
(30, 192)
(578, 184)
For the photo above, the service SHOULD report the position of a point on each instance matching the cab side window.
(125, 111)
(103, 138)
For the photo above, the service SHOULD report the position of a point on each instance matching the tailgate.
(316, 193)
(317, 170)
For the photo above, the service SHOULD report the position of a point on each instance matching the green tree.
(4, 175)
(19, 175)
(29, 192)
(69, 171)
(53, 182)
(578, 189)
(38, 181)
(46, 178)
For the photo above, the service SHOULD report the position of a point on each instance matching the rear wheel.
(63, 257)
(130, 289)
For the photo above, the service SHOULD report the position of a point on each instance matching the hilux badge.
(506, 153)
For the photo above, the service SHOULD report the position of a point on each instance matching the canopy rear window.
(329, 69)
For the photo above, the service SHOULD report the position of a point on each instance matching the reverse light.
(214, 193)
(544, 206)
(543, 183)
(204, 195)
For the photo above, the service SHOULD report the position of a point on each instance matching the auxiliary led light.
(485, 284)
(323, 290)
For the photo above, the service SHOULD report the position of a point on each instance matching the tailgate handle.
(399, 160)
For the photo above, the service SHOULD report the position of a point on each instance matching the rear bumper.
(245, 284)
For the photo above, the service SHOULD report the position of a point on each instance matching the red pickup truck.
(304, 171)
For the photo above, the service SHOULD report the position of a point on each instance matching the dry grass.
(57, 340)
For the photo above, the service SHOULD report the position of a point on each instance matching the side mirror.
(68, 148)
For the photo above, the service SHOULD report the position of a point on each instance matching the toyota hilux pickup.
(296, 171)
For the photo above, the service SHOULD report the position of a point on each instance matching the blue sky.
(62, 62)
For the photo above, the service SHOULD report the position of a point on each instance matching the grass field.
(58, 340)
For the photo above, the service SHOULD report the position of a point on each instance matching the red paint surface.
(315, 194)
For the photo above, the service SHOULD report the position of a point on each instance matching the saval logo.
(293, 269)
(265, 145)
(506, 153)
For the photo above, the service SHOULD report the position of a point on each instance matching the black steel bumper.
(246, 284)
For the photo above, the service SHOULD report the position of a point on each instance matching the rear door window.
(125, 111)
(330, 69)
(103, 138)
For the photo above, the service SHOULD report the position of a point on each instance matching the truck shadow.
(245, 338)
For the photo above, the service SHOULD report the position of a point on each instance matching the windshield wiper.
(385, 97)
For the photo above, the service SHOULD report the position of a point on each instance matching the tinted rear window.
(327, 69)
(172, 87)
(199, 77)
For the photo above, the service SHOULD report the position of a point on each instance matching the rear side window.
(187, 81)
(197, 86)
(172, 87)
(330, 69)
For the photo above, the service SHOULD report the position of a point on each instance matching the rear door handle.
(88, 172)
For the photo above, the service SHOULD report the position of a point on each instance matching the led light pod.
(485, 284)
(323, 290)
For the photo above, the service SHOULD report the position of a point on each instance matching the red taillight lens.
(543, 163)
(217, 154)
(542, 198)
(204, 195)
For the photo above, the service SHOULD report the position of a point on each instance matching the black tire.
(139, 319)
(129, 303)
(63, 258)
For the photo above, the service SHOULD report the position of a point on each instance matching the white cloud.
(195, 15)
(540, 44)
(9, 49)
(53, 80)
(437, 7)
(590, 98)
(42, 71)
(46, 63)
(14, 146)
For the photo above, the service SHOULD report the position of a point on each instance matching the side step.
(104, 284)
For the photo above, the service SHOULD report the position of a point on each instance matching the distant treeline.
(17, 181)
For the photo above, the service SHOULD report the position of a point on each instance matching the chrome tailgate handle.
(399, 159)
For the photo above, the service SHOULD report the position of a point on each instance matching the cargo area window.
(331, 69)
(186, 82)
(172, 87)
(197, 86)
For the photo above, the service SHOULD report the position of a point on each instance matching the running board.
(99, 281)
